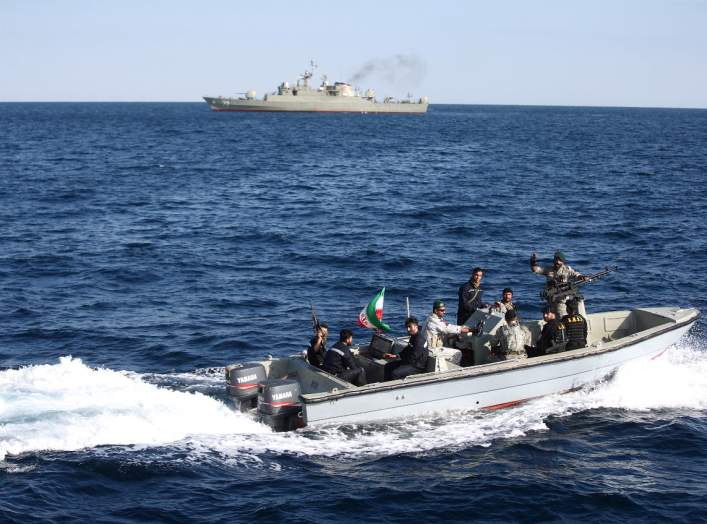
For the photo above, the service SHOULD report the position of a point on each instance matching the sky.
(646, 53)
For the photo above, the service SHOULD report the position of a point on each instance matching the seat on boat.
(451, 354)
(437, 363)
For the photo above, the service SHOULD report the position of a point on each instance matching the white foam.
(675, 380)
(69, 406)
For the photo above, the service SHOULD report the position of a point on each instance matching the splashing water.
(69, 406)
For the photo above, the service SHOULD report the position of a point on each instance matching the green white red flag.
(371, 316)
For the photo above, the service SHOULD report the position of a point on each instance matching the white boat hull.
(488, 386)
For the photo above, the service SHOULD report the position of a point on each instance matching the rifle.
(315, 321)
(559, 291)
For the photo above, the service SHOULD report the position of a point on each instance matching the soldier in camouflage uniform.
(511, 339)
(506, 303)
(558, 272)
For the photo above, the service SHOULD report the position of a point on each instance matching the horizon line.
(431, 104)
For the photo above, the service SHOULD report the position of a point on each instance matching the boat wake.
(70, 406)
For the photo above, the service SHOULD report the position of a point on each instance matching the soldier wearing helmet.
(558, 273)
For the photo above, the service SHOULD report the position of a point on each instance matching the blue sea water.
(144, 246)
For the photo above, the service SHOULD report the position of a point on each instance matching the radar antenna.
(308, 74)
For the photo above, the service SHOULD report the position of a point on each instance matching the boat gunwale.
(505, 366)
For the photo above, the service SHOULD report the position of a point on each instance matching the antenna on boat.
(407, 305)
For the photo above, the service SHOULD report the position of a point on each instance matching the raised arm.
(534, 267)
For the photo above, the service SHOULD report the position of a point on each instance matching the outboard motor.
(279, 404)
(243, 380)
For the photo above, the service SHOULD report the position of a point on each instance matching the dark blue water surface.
(144, 246)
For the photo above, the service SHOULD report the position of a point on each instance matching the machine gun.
(559, 291)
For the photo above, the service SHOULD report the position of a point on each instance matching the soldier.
(436, 330)
(470, 296)
(576, 326)
(339, 360)
(553, 337)
(413, 359)
(506, 303)
(558, 273)
(317, 346)
(512, 338)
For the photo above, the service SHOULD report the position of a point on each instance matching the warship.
(339, 97)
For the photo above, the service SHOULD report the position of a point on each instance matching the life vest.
(576, 328)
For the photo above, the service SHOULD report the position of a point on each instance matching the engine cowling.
(279, 404)
(243, 380)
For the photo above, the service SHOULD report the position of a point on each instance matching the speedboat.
(288, 393)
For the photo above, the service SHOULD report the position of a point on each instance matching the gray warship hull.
(616, 338)
(313, 105)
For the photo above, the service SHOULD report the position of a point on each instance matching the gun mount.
(560, 291)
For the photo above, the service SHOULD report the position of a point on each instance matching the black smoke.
(406, 71)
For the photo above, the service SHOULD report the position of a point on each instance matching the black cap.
(511, 315)
(547, 309)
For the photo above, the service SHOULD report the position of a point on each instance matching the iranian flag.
(371, 316)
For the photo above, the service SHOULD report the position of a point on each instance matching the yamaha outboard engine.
(279, 404)
(243, 380)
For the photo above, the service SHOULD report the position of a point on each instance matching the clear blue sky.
(554, 52)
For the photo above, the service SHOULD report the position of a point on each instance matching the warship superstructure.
(339, 97)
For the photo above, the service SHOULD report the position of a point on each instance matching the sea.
(144, 246)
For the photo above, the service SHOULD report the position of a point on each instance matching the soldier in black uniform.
(575, 326)
(317, 346)
(553, 338)
(470, 296)
(339, 360)
(413, 359)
